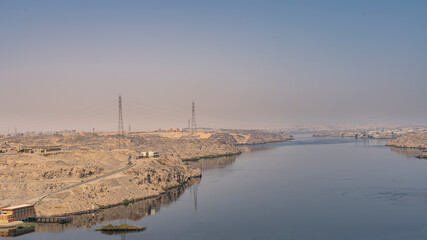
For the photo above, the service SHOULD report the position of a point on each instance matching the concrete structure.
(153, 154)
(149, 154)
(19, 212)
(6, 218)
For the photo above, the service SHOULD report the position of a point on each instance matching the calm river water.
(310, 188)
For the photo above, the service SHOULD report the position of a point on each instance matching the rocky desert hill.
(410, 140)
(36, 165)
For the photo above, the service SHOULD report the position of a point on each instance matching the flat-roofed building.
(149, 154)
(153, 154)
(17, 212)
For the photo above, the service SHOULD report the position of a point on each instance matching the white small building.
(153, 154)
(149, 154)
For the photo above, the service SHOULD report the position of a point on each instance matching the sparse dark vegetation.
(26, 226)
(126, 202)
(101, 207)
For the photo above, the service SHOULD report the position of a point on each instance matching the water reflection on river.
(213, 163)
(407, 152)
(133, 212)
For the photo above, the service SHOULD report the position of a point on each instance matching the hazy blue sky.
(248, 64)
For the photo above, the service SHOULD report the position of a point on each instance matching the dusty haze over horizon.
(246, 64)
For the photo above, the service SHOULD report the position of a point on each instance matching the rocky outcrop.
(150, 177)
(250, 137)
(185, 147)
(27, 176)
(329, 134)
(81, 168)
(410, 140)
(226, 138)
(386, 133)
(357, 134)
(69, 172)
(261, 138)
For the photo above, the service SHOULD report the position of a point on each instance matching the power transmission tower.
(193, 119)
(121, 130)
(188, 128)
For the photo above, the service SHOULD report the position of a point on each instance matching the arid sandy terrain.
(411, 140)
(387, 133)
(35, 165)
